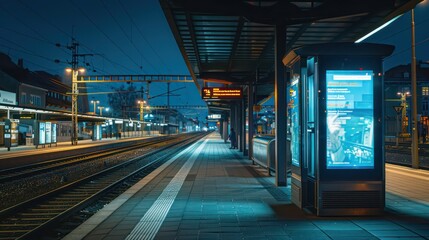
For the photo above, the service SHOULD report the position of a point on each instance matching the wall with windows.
(398, 80)
(30, 96)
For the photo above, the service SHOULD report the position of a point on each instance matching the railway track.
(31, 218)
(11, 174)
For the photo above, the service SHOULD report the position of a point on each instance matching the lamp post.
(101, 110)
(404, 109)
(75, 92)
(95, 102)
(414, 135)
(141, 104)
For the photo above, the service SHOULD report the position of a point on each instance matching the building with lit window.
(36, 90)
(398, 103)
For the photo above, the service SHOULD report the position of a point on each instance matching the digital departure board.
(222, 93)
(350, 119)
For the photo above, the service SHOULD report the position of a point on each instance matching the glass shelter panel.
(294, 116)
(310, 118)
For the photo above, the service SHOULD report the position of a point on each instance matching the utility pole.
(147, 90)
(168, 109)
(75, 91)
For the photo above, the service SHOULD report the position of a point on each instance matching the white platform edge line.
(143, 230)
(90, 224)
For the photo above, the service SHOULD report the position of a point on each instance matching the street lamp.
(95, 102)
(414, 136)
(404, 109)
(75, 92)
(149, 119)
(101, 110)
(141, 104)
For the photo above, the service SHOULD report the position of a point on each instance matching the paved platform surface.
(60, 146)
(212, 192)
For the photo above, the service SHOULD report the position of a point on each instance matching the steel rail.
(11, 174)
(29, 219)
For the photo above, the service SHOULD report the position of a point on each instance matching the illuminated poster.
(293, 123)
(350, 118)
(48, 132)
(42, 133)
(54, 133)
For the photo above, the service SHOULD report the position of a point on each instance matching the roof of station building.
(232, 42)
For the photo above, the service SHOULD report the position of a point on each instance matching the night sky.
(399, 34)
(133, 37)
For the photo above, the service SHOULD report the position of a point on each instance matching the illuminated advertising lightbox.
(48, 132)
(54, 133)
(42, 133)
(350, 119)
(294, 119)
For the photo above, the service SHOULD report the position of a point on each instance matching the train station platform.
(4, 152)
(209, 191)
(18, 153)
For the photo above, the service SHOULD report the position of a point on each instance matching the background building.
(397, 92)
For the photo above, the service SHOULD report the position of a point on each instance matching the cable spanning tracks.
(32, 218)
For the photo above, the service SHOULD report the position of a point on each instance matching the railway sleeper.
(28, 219)
(42, 213)
(18, 227)
(12, 233)
(56, 206)
(70, 197)
(15, 225)
(14, 228)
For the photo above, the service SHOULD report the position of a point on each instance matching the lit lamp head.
(81, 70)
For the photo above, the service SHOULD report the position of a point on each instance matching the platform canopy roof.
(232, 42)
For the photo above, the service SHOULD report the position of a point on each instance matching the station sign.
(398, 109)
(24, 116)
(8, 98)
(214, 117)
(222, 93)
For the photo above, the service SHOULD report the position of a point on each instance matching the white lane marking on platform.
(149, 224)
(90, 224)
(407, 169)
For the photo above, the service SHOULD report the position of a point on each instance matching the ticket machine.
(335, 112)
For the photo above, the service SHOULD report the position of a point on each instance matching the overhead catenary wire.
(128, 37)
(408, 48)
(142, 35)
(65, 33)
(31, 36)
(44, 40)
(26, 51)
(26, 25)
(402, 30)
(105, 35)
(36, 64)
(44, 19)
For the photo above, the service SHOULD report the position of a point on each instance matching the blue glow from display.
(294, 119)
(350, 119)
